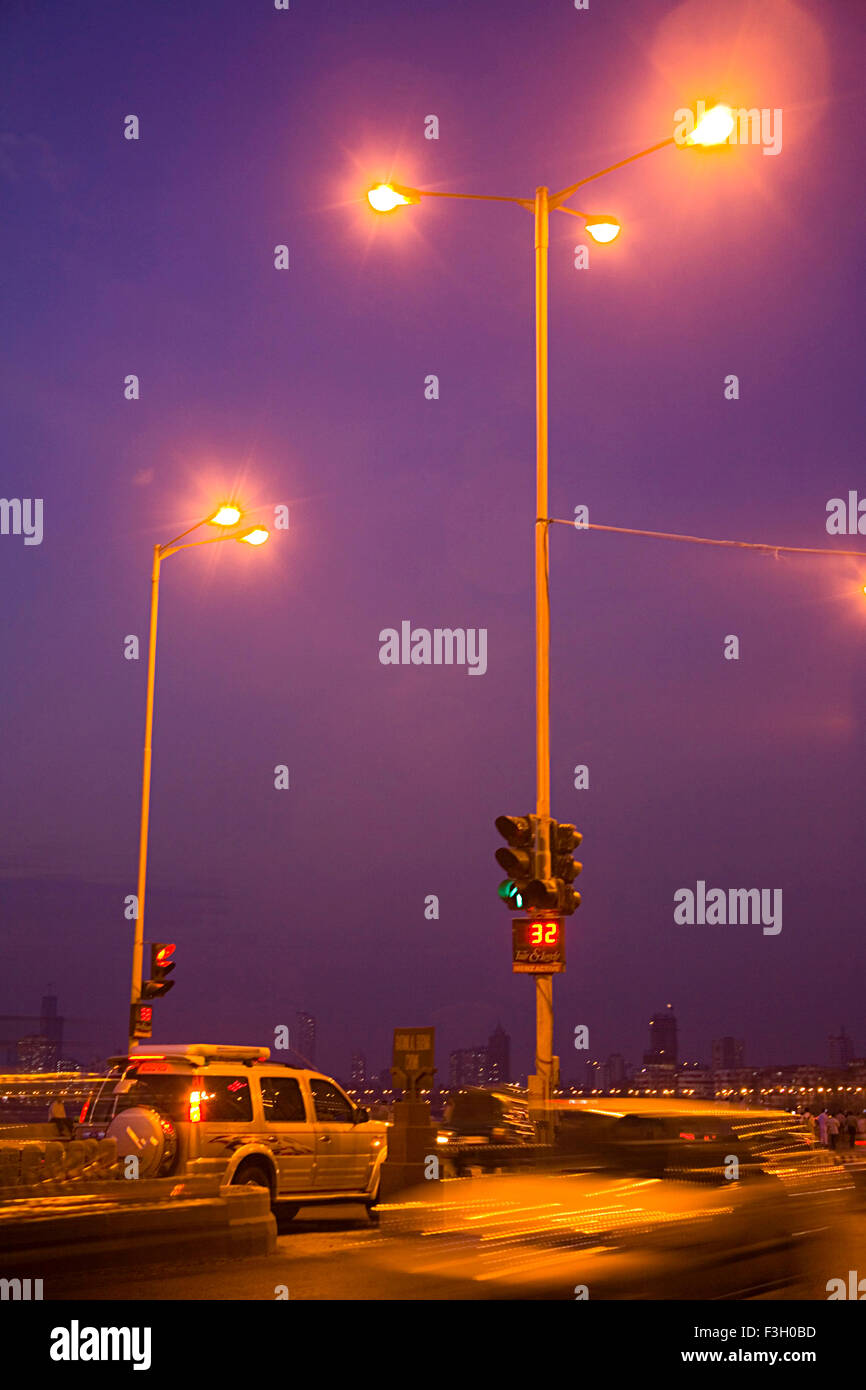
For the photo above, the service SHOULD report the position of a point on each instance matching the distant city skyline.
(42, 1039)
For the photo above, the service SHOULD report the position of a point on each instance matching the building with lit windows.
(304, 1041)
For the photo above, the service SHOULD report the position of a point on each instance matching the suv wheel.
(372, 1204)
(253, 1175)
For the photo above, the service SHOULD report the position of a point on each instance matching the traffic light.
(564, 840)
(525, 888)
(518, 860)
(161, 965)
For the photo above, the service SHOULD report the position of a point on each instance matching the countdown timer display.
(538, 945)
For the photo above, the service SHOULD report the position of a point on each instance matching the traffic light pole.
(541, 1085)
(138, 941)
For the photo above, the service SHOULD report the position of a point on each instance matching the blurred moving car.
(485, 1115)
(192, 1109)
(656, 1200)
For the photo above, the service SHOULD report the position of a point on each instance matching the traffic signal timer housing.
(538, 945)
(141, 1021)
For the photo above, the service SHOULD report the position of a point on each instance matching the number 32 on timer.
(543, 933)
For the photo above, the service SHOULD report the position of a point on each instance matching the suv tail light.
(84, 1109)
(194, 1107)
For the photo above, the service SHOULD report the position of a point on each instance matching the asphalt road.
(332, 1253)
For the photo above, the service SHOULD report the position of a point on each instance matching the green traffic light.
(509, 891)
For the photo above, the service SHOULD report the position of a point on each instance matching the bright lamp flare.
(713, 128)
(226, 515)
(257, 536)
(384, 198)
(603, 228)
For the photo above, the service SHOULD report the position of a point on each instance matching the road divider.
(145, 1220)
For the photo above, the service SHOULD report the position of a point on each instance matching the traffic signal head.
(564, 840)
(161, 966)
(517, 858)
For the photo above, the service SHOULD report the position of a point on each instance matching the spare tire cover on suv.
(145, 1133)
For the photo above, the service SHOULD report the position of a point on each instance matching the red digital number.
(543, 933)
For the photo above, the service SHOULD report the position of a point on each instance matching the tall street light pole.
(228, 516)
(714, 127)
(544, 1079)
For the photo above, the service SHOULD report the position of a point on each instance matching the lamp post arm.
(560, 197)
(172, 549)
(188, 532)
(527, 203)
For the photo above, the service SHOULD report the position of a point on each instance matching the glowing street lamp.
(603, 229)
(385, 197)
(713, 128)
(225, 516)
(257, 535)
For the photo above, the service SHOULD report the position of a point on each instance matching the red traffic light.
(161, 965)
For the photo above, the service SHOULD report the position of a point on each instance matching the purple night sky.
(306, 387)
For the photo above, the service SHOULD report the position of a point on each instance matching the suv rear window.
(282, 1101)
(225, 1099)
(166, 1093)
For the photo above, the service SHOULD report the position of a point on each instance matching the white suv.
(193, 1109)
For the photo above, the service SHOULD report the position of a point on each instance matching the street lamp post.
(226, 516)
(714, 127)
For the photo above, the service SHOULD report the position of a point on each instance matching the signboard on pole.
(538, 945)
(413, 1058)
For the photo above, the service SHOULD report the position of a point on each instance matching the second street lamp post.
(714, 127)
(226, 516)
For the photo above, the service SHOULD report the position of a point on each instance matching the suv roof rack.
(200, 1053)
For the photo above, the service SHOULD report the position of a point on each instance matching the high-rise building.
(593, 1076)
(841, 1049)
(305, 1037)
(615, 1072)
(35, 1053)
(52, 1029)
(468, 1066)
(359, 1071)
(18, 1032)
(728, 1054)
(499, 1056)
(663, 1039)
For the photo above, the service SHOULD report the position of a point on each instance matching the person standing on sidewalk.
(57, 1116)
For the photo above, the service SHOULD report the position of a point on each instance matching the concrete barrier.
(36, 1162)
(137, 1221)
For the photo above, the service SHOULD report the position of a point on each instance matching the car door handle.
(324, 1138)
